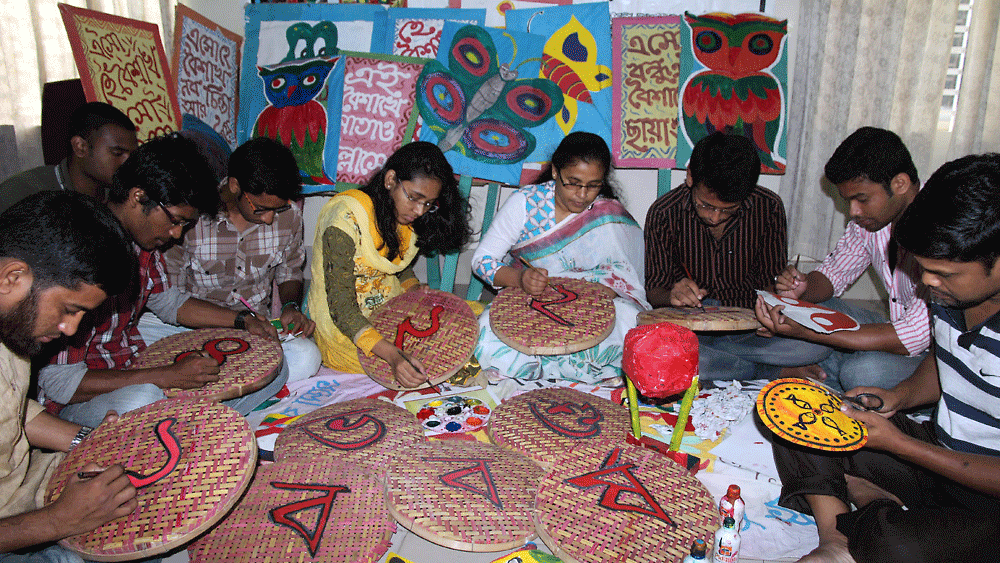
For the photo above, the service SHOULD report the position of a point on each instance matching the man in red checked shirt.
(161, 189)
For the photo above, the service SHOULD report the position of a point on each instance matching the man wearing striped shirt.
(712, 241)
(875, 175)
(925, 491)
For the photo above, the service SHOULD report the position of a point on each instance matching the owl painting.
(293, 115)
(737, 91)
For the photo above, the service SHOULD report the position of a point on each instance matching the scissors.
(856, 401)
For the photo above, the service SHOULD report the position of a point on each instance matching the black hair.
(171, 171)
(263, 165)
(88, 118)
(872, 154)
(443, 232)
(956, 216)
(727, 164)
(68, 239)
(582, 146)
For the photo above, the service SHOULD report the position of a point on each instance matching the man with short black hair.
(100, 139)
(714, 240)
(157, 192)
(925, 491)
(61, 255)
(253, 241)
(875, 175)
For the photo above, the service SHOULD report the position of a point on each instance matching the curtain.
(36, 50)
(881, 63)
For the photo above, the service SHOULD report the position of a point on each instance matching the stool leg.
(682, 417)
(633, 407)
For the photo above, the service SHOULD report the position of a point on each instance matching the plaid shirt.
(114, 341)
(217, 259)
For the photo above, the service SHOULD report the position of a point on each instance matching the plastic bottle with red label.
(732, 505)
(727, 542)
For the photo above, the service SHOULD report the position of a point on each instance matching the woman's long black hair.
(588, 147)
(443, 232)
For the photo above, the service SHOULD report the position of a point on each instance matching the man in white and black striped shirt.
(930, 491)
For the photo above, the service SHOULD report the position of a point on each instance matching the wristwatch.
(240, 320)
(83, 433)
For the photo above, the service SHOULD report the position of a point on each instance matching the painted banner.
(207, 63)
(379, 94)
(292, 75)
(576, 59)
(734, 75)
(488, 120)
(416, 32)
(122, 62)
(646, 67)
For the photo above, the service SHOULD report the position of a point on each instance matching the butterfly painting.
(481, 108)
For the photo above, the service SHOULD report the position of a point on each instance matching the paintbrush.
(527, 264)
(688, 273)
(426, 375)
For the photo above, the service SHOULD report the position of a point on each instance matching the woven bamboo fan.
(318, 510)
(435, 327)
(470, 496)
(607, 502)
(693, 318)
(569, 316)
(190, 461)
(365, 432)
(809, 415)
(247, 362)
(546, 423)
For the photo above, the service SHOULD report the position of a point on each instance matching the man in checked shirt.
(253, 241)
(876, 177)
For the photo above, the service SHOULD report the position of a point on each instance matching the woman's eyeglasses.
(429, 206)
(577, 187)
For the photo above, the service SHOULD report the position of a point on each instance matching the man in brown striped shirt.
(712, 241)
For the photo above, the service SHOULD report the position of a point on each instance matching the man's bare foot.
(812, 370)
(862, 491)
(833, 550)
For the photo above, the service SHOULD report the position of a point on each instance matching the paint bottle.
(732, 505)
(727, 542)
(698, 549)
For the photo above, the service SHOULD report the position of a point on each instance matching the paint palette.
(454, 414)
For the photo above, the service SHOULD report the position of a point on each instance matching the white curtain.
(36, 50)
(881, 63)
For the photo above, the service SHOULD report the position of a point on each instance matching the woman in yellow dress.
(366, 242)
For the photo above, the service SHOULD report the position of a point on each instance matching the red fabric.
(661, 359)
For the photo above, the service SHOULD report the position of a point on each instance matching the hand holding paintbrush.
(533, 280)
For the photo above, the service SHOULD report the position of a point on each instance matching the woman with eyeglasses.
(571, 225)
(366, 242)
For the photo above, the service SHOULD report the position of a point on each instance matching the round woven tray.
(546, 423)
(693, 318)
(569, 316)
(613, 502)
(365, 432)
(470, 496)
(215, 455)
(240, 372)
(808, 415)
(435, 327)
(317, 510)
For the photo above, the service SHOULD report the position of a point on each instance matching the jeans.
(744, 355)
(847, 369)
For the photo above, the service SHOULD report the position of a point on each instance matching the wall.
(638, 185)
